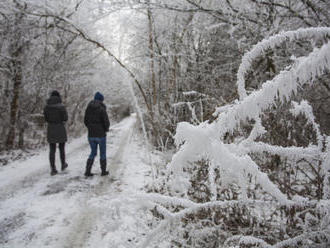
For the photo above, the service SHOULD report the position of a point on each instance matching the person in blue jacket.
(97, 122)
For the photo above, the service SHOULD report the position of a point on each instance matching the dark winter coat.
(55, 115)
(96, 119)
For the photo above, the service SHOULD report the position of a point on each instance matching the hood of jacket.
(54, 100)
(96, 104)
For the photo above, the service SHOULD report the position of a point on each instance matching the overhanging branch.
(77, 31)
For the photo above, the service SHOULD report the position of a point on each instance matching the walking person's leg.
(52, 150)
(62, 156)
(90, 160)
(103, 156)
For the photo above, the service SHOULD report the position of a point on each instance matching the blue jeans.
(93, 142)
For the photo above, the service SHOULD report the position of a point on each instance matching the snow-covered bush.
(218, 192)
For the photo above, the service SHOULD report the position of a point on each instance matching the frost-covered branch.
(232, 164)
(306, 109)
(293, 242)
(271, 43)
(247, 240)
(326, 171)
(304, 71)
(79, 32)
(311, 152)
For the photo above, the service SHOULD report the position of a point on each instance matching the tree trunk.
(153, 78)
(14, 105)
(21, 138)
(152, 65)
(16, 65)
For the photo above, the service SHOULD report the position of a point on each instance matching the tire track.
(82, 228)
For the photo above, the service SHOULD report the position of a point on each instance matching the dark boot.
(53, 171)
(52, 150)
(64, 166)
(62, 156)
(89, 165)
(104, 167)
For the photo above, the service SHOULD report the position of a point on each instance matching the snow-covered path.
(68, 210)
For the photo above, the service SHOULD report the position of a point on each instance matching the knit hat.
(99, 96)
(55, 93)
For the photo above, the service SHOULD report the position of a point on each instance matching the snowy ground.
(68, 210)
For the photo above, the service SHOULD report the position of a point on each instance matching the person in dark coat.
(56, 115)
(97, 122)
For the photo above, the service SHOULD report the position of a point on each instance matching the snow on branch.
(190, 208)
(247, 240)
(261, 47)
(204, 140)
(304, 71)
(168, 200)
(326, 171)
(311, 152)
(293, 242)
(306, 109)
(233, 162)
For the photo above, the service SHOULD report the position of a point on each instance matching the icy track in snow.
(69, 210)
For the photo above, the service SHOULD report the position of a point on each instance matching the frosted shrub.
(219, 194)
